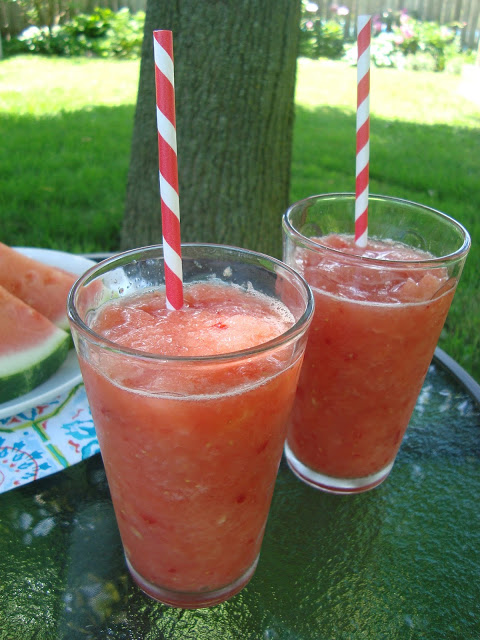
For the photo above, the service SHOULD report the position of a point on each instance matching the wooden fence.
(467, 12)
(13, 20)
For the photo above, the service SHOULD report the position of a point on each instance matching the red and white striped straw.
(364, 27)
(168, 167)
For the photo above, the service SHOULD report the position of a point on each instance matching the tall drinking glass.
(379, 314)
(191, 408)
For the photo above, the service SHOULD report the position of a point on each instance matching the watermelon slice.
(31, 347)
(41, 286)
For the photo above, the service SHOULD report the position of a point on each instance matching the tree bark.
(235, 65)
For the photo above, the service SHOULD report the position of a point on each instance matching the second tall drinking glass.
(379, 314)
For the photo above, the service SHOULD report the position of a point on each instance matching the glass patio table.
(399, 562)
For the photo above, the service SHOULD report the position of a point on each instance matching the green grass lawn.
(66, 129)
(66, 126)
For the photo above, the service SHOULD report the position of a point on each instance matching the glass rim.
(434, 262)
(290, 335)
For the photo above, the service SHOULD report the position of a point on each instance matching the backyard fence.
(13, 17)
(14, 13)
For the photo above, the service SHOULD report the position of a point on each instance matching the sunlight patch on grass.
(409, 96)
(36, 85)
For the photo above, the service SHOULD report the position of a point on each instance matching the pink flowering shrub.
(414, 36)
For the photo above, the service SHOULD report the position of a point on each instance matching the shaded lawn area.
(63, 181)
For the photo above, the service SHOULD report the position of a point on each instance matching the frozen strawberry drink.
(191, 408)
(379, 314)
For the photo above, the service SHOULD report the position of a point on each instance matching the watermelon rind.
(22, 371)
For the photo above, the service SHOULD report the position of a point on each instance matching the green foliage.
(320, 39)
(440, 42)
(413, 44)
(398, 40)
(103, 34)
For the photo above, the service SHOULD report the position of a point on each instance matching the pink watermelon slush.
(371, 341)
(191, 450)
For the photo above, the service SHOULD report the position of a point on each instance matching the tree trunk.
(235, 65)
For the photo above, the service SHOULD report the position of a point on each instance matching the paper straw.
(364, 26)
(168, 167)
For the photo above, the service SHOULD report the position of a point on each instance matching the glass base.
(334, 485)
(188, 600)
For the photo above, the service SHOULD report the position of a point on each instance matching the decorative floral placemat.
(47, 438)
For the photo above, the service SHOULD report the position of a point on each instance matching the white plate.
(68, 375)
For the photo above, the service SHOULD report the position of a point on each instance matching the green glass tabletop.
(399, 562)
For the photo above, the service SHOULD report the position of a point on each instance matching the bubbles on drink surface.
(386, 279)
(216, 318)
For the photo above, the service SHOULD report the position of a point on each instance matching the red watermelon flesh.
(41, 286)
(31, 347)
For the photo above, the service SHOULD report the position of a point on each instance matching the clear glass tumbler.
(191, 444)
(379, 312)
